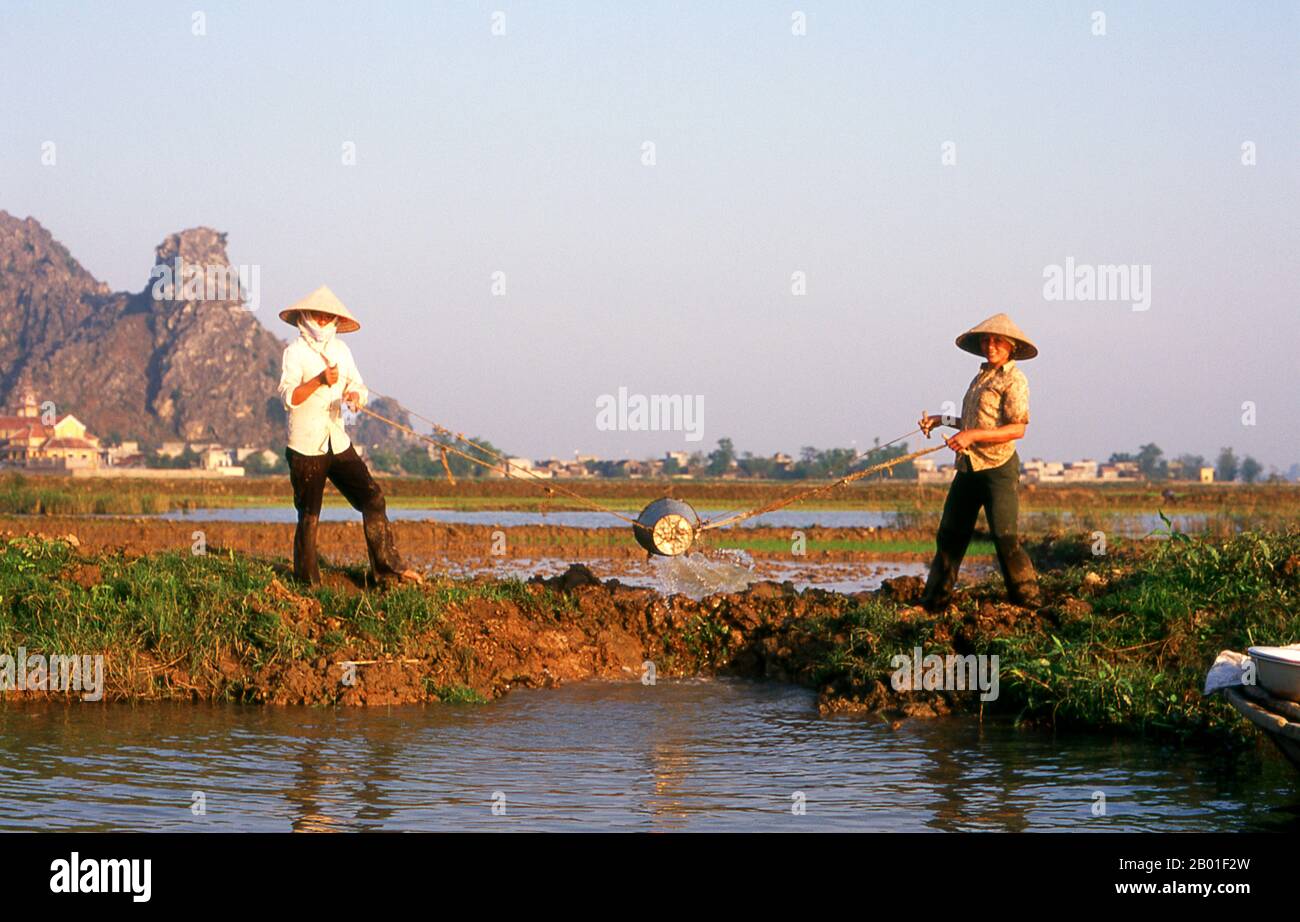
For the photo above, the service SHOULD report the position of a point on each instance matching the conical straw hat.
(1002, 325)
(325, 301)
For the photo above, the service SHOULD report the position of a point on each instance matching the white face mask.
(315, 331)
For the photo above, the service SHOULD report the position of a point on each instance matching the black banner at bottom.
(226, 872)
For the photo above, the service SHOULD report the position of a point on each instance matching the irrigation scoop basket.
(667, 527)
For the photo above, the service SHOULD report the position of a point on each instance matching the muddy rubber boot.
(381, 547)
(1018, 572)
(939, 585)
(305, 567)
(1028, 595)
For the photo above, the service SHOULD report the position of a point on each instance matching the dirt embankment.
(569, 628)
(574, 627)
(452, 640)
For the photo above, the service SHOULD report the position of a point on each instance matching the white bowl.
(1278, 670)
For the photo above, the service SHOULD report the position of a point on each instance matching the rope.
(804, 494)
(507, 468)
(460, 437)
(442, 456)
(549, 487)
(445, 448)
(858, 455)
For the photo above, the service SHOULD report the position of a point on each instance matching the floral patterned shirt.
(996, 397)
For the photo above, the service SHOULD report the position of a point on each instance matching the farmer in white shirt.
(317, 377)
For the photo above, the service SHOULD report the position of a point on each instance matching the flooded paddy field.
(838, 559)
(1124, 523)
(26, 493)
(836, 548)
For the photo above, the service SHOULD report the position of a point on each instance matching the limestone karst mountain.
(139, 365)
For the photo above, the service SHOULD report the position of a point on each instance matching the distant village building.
(930, 471)
(554, 467)
(1036, 470)
(1119, 470)
(125, 454)
(267, 456)
(519, 467)
(27, 441)
(636, 470)
(214, 458)
(551, 467)
(1207, 475)
(1085, 469)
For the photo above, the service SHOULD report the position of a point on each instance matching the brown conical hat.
(325, 301)
(1002, 325)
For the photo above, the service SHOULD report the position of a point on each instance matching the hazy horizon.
(775, 153)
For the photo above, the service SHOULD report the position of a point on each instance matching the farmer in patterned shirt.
(994, 414)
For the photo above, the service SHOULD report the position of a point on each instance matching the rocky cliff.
(184, 358)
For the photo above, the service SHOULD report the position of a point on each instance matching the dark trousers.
(994, 491)
(350, 477)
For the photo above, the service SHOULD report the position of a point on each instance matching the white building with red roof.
(40, 440)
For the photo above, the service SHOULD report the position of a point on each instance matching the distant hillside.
(136, 366)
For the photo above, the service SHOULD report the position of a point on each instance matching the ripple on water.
(723, 754)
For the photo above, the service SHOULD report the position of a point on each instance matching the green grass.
(200, 612)
(455, 694)
(164, 609)
(21, 499)
(1136, 663)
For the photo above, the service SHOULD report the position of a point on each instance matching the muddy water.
(701, 755)
(700, 575)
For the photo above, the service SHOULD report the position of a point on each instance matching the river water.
(681, 755)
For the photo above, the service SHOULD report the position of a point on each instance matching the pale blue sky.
(775, 153)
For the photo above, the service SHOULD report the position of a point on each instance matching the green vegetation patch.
(1126, 648)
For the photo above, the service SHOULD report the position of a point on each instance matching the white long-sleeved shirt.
(316, 424)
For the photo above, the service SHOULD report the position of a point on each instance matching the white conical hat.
(1002, 325)
(325, 301)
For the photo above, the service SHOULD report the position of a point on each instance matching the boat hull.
(1278, 719)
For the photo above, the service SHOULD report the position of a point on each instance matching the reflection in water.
(310, 793)
(690, 755)
(670, 766)
(972, 797)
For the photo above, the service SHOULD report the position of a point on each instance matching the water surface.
(1124, 523)
(689, 755)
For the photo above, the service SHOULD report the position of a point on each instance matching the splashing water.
(701, 574)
